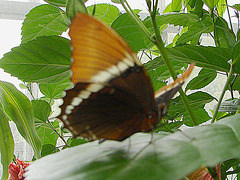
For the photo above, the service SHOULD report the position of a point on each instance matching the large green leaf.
(130, 31)
(160, 68)
(221, 7)
(166, 157)
(6, 144)
(54, 90)
(106, 12)
(211, 3)
(236, 55)
(176, 5)
(19, 109)
(224, 35)
(61, 3)
(177, 19)
(204, 77)
(43, 20)
(201, 116)
(45, 59)
(41, 110)
(195, 31)
(48, 149)
(196, 100)
(46, 133)
(215, 58)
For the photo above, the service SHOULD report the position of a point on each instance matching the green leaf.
(43, 20)
(46, 133)
(106, 12)
(236, 54)
(45, 60)
(168, 9)
(236, 83)
(204, 77)
(75, 6)
(75, 142)
(169, 127)
(54, 90)
(201, 117)
(211, 3)
(6, 144)
(176, 5)
(177, 19)
(221, 7)
(41, 110)
(60, 3)
(191, 3)
(48, 149)
(196, 100)
(196, 30)
(214, 58)
(236, 7)
(167, 156)
(116, 1)
(226, 165)
(19, 109)
(158, 71)
(193, 34)
(225, 37)
(130, 31)
(198, 10)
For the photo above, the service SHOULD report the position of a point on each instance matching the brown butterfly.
(113, 96)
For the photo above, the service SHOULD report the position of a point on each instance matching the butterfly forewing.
(113, 96)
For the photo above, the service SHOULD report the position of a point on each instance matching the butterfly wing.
(113, 96)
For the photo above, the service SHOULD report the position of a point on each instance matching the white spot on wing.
(70, 107)
(122, 66)
(68, 111)
(128, 62)
(95, 87)
(114, 70)
(76, 101)
(64, 117)
(102, 76)
(84, 94)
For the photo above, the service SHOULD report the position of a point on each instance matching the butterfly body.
(113, 97)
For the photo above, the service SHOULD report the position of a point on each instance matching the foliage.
(44, 57)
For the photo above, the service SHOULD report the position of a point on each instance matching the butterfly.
(113, 97)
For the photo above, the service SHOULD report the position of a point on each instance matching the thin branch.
(223, 93)
(50, 124)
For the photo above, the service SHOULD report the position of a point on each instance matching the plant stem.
(50, 124)
(229, 16)
(161, 48)
(143, 28)
(223, 92)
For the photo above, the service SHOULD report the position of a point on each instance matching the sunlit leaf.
(19, 109)
(43, 20)
(6, 144)
(214, 58)
(105, 12)
(204, 77)
(45, 59)
(211, 3)
(130, 31)
(225, 37)
(41, 110)
(61, 3)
